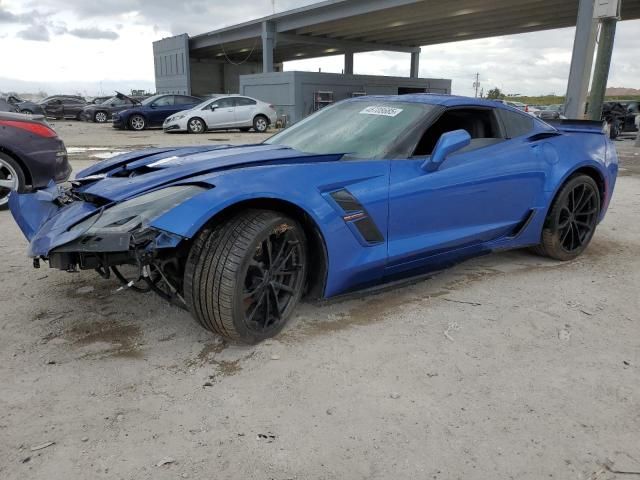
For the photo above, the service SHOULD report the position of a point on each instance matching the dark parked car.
(63, 106)
(153, 111)
(31, 154)
(25, 106)
(7, 107)
(102, 112)
(99, 100)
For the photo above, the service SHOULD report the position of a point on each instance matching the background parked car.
(25, 106)
(153, 111)
(31, 154)
(99, 100)
(7, 107)
(63, 106)
(223, 112)
(521, 106)
(102, 112)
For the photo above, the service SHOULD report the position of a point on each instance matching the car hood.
(130, 174)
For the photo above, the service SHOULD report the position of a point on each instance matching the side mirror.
(448, 143)
(213, 107)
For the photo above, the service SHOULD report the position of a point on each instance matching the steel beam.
(581, 61)
(268, 45)
(415, 64)
(601, 70)
(344, 44)
(348, 63)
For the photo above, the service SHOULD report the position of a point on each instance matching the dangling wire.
(255, 43)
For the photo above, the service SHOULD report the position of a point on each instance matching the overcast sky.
(88, 46)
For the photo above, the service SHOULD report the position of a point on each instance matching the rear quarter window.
(516, 124)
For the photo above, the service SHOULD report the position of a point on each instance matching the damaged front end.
(73, 231)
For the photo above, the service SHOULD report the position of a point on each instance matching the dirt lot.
(509, 366)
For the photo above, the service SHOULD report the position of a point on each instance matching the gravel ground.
(508, 366)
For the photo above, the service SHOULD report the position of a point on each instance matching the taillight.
(35, 128)
(526, 108)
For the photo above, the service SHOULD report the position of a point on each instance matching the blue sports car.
(366, 190)
(152, 111)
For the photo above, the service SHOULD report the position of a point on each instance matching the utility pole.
(476, 84)
(601, 70)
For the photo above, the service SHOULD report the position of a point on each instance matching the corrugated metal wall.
(171, 61)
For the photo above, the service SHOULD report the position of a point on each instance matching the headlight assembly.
(137, 212)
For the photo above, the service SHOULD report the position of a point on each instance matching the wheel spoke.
(584, 202)
(267, 310)
(282, 286)
(7, 183)
(277, 303)
(577, 203)
(256, 308)
(588, 212)
(564, 235)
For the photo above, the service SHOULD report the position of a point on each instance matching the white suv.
(222, 113)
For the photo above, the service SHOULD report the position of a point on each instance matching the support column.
(601, 70)
(415, 64)
(348, 62)
(268, 45)
(581, 61)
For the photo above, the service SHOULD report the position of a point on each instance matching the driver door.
(478, 194)
(161, 109)
(221, 113)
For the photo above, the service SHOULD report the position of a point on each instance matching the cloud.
(36, 33)
(94, 34)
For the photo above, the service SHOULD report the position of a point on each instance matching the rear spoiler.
(582, 126)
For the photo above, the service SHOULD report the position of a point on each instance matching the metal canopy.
(341, 26)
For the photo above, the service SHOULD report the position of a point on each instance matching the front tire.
(11, 178)
(260, 124)
(244, 277)
(100, 117)
(137, 122)
(572, 219)
(196, 125)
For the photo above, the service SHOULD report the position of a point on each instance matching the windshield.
(151, 99)
(361, 129)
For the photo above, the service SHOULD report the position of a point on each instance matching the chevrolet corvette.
(361, 192)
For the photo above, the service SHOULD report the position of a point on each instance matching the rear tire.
(260, 123)
(244, 277)
(572, 219)
(196, 125)
(11, 178)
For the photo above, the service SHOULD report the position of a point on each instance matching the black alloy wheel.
(245, 276)
(572, 220)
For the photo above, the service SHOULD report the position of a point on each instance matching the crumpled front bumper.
(46, 218)
(44, 221)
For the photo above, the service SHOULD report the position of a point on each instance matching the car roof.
(435, 99)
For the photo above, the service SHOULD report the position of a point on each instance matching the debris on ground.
(395, 395)
(165, 461)
(84, 290)
(564, 335)
(270, 437)
(275, 357)
(452, 327)
(41, 446)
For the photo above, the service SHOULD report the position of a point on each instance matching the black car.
(25, 106)
(31, 155)
(7, 107)
(63, 106)
(99, 100)
(102, 112)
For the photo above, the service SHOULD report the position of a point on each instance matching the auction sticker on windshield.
(381, 110)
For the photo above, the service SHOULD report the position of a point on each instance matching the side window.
(481, 124)
(225, 103)
(184, 100)
(244, 102)
(516, 124)
(164, 101)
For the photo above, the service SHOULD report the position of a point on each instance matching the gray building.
(298, 94)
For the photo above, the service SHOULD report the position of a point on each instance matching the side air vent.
(347, 202)
(355, 215)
